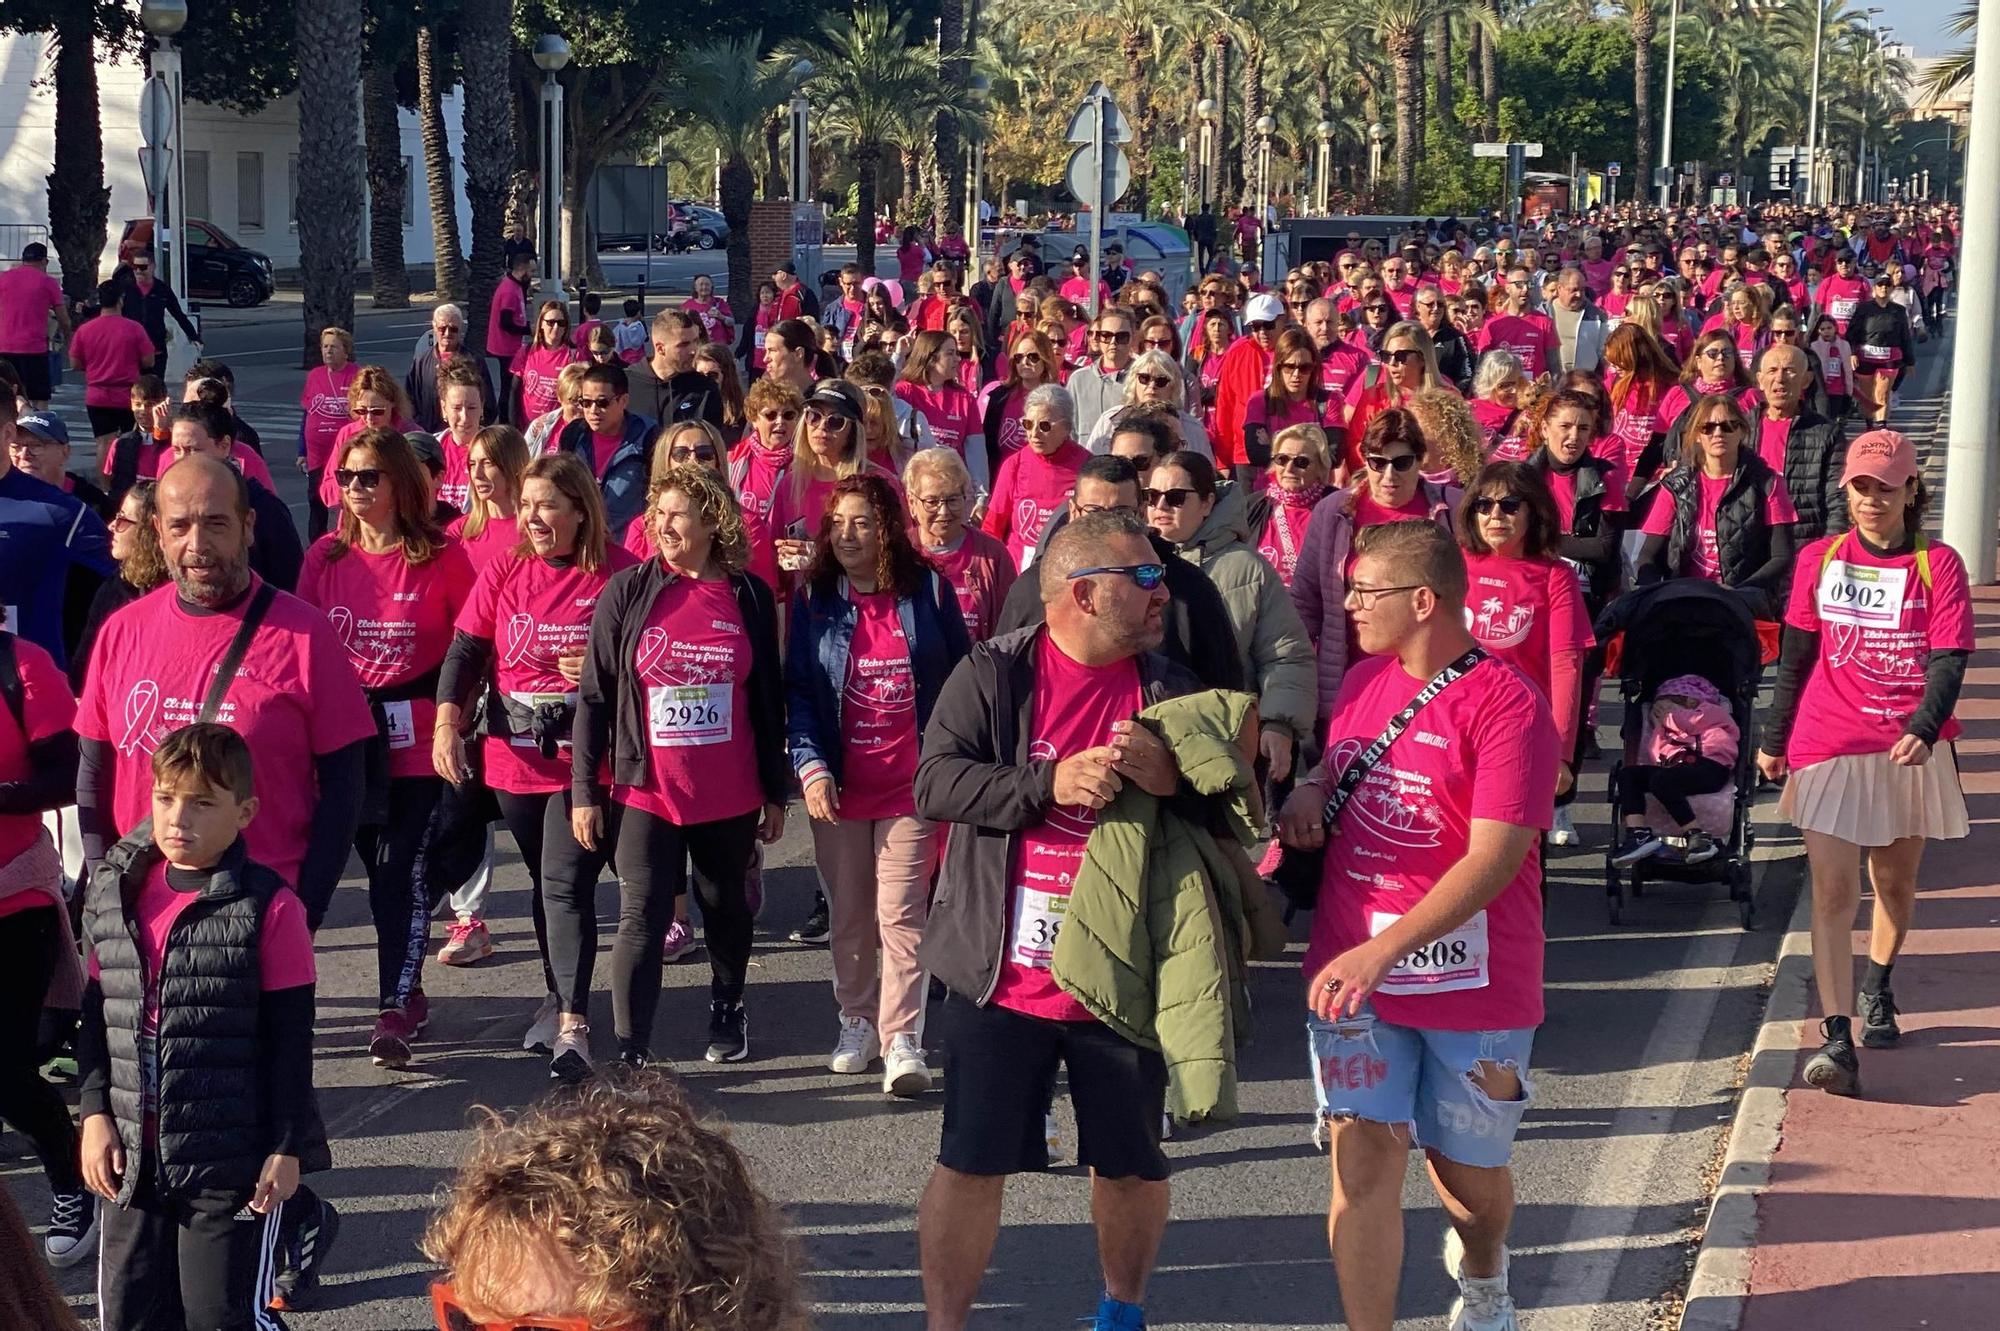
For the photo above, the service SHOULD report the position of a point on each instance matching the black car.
(218, 267)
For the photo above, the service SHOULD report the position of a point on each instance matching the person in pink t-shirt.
(875, 632)
(1878, 630)
(323, 405)
(1035, 481)
(28, 298)
(930, 384)
(1424, 971)
(392, 584)
(543, 359)
(112, 351)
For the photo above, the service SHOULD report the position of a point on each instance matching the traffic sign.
(1500, 149)
(1117, 177)
(1613, 169)
(1117, 129)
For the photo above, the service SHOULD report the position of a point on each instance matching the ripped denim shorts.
(1364, 1067)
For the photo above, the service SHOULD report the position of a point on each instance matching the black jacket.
(233, 1087)
(611, 698)
(1878, 325)
(976, 772)
(1756, 557)
(1815, 451)
(687, 396)
(151, 308)
(421, 383)
(1591, 540)
(1200, 634)
(276, 554)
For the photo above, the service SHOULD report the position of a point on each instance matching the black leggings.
(28, 939)
(1671, 786)
(1934, 308)
(651, 857)
(527, 818)
(398, 859)
(318, 515)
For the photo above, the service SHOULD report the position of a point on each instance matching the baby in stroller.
(1687, 748)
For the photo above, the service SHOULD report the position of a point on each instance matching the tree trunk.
(1405, 51)
(332, 193)
(911, 183)
(387, 177)
(483, 44)
(955, 68)
(739, 184)
(867, 163)
(1489, 75)
(774, 158)
(1644, 23)
(1253, 109)
(79, 200)
(450, 260)
(1441, 71)
(1227, 185)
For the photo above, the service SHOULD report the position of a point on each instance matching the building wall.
(241, 170)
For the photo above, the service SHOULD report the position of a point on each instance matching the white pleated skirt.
(1871, 800)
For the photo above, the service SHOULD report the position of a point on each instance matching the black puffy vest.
(1590, 481)
(213, 1132)
(1742, 537)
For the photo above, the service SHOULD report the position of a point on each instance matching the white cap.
(1263, 308)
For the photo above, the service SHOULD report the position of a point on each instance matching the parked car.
(218, 267)
(710, 230)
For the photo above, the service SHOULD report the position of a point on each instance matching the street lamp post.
(161, 123)
(1205, 110)
(978, 90)
(1812, 104)
(1323, 169)
(1377, 134)
(1265, 124)
(551, 54)
(1667, 120)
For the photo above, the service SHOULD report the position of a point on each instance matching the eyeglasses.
(1154, 380)
(1382, 310)
(1297, 304)
(23, 442)
(1027, 358)
(119, 522)
(1784, 332)
(1169, 499)
(1510, 506)
(703, 453)
(367, 478)
(1146, 576)
(1109, 335)
(770, 417)
(1257, 326)
(593, 403)
(1298, 367)
(1718, 428)
(1293, 461)
(831, 422)
(1401, 462)
(938, 503)
(1366, 597)
(1159, 344)
(451, 1317)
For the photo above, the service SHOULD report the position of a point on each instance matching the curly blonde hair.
(714, 502)
(1449, 426)
(653, 1213)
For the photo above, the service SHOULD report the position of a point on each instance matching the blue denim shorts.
(1364, 1067)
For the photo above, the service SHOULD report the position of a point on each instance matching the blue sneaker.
(1116, 1315)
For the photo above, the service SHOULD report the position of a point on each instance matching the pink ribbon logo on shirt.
(652, 652)
(142, 709)
(520, 637)
(342, 620)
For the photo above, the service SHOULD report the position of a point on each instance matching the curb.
(1719, 1286)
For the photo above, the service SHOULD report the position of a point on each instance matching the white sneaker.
(541, 1036)
(1563, 833)
(570, 1060)
(905, 1071)
(1483, 1303)
(859, 1046)
(1052, 1135)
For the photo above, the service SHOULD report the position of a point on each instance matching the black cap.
(839, 397)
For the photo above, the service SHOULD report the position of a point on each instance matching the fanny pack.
(548, 724)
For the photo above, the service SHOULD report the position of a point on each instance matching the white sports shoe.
(1563, 833)
(905, 1072)
(858, 1047)
(1483, 1303)
(541, 1036)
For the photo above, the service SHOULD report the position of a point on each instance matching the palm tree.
(450, 262)
(1954, 66)
(730, 89)
(1399, 25)
(382, 139)
(79, 200)
(327, 40)
(868, 77)
(1644, 18)
(485, 48)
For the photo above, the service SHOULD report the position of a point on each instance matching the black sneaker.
(728, 1033)
(634, 1057)
(72, 1232)
(1695, 847)
(817, 928)
(1878, 1020)
(305, 1248)
(1637, 844)
(1835, 1069)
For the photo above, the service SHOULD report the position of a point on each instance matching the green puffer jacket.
(1167, 910)
(1277, 654)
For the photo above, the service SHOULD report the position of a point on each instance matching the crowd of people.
(1084, 643)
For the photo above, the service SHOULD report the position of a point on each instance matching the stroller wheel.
(1614, 893)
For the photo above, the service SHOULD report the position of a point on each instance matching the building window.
(292, 191)
(250, 191)
(409, 191)
(196, 169)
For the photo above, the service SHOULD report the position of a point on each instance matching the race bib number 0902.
(1862, 595)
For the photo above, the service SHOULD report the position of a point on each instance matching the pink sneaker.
(679, 941)
(389, 1046)
(418, 1009)
(466, 942)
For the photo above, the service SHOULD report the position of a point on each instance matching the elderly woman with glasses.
(1296, 482)
(1031, 361)
(1154, 380)
(978, 566)
(1035, 482)
(1723, 515)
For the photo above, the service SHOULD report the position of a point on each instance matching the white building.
(242, 171)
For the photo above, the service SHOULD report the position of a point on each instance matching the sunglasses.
(1027, 358)
(1402, 356)
(1039, 427)
(1401, 462)
(1159, 344)
(119, 522)
(1486, 505)
(593, 403)
(1170, 499)
(1107, 335)
(142, 267)
(775, 417)
(1154, 380)
(1259, 326)
(832, 422)
(1377, 309)
(1293, 461)
(1718, 428)
(698, 453)
(366, 478)
(451, 1317)
(369, 413)
(1147, 576)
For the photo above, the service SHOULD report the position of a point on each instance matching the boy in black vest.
(195, 1051)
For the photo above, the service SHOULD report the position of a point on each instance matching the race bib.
(402, 724)
(680, 716)
(1038, 918)
(1842, 308)
(1872, 351)
(1862, 595)
(1446, 965)
(531, 701)
(1027, 557)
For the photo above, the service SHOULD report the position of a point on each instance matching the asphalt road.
(1633, 1078)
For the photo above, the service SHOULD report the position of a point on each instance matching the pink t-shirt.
(1833, 357)
(508, 298)
(1030, 488)
(1531, 337)
(28, 296)
(713, 314)
(454, 487)
(1562, 485)
(878, 715)
(754, 471)
(1283, 537)
(1841, 297)
(1771, 439)
(1485, 748)
(496, 538)
(539, 369)
(395, 620)
(1524, 611)
(1073, 709)
(1704, 560)
(1258, 412)
(952, 412)
(1340, 365)
(532, 611)
(980, 572)
(115, 351)
(284, 944)
(799, 518)
(295, 698)
(694, 663)
(1878, 625)
(1496, 419)
(323, 400)
(46, 709)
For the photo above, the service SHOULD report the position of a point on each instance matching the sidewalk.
(1883, 1211)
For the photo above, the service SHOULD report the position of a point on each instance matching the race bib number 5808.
(1443, 966)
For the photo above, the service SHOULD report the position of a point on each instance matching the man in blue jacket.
(613, 442)
(54, 551)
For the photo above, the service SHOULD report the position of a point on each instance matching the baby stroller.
(1686, 626)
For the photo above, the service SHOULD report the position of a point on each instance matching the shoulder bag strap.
(1351, 778)
(232, 660)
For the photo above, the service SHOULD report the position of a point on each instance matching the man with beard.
(221, 644)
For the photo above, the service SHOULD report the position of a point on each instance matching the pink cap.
(1883, 455)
